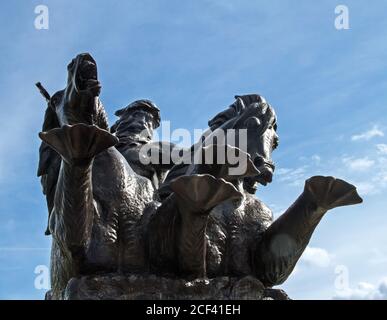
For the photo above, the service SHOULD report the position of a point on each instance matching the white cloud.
(368, 135)
(382, 148)
(293, 177)
(316, 257)
(367, 188)
(283, 171)
(316, 159)
(359, 164)
(372, 181)
(364, 291)
(368, 173)
(378, 256)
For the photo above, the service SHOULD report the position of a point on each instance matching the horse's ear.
(120, 112)
(240, 104)
(70, 66)
(251, 98)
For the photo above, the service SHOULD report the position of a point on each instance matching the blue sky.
(328, 87)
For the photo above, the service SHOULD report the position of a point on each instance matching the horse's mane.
(101, 119)
(245, 106)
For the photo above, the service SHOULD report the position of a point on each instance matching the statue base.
(151, 287)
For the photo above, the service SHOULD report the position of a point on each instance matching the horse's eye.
(252, 122)
(275, 142)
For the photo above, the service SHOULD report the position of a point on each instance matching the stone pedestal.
(150, 287)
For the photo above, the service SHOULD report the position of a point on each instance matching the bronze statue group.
(111, 214)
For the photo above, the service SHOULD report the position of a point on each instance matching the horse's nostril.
(268, 176)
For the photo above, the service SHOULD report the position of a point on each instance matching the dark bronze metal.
(121, 230)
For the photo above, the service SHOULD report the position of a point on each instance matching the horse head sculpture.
(254, 115)
(215, 235)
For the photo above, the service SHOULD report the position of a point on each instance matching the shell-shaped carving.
(79, 142)
(203, 191)
(330, 192)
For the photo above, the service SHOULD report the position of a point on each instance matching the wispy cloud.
(364, 291)
(368, 135)
(359, 164)
(367, 173)
(316, 159)
(374, 183)
(382, 148)
(379, 256)
(316, 257)
(293, 177)
(203, 44)
(367, 188)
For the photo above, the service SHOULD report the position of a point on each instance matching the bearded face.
(136, 124)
